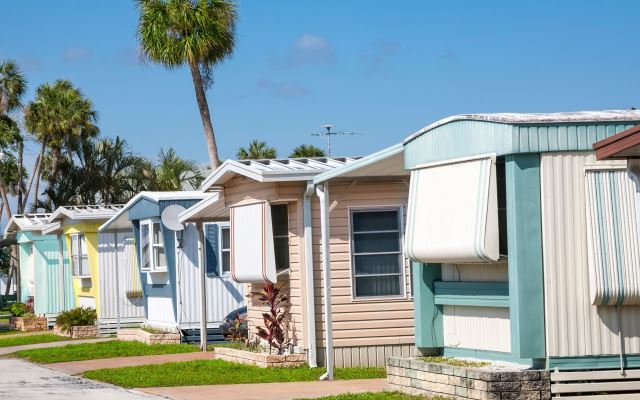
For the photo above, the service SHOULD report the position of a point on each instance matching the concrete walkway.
(78, 367)
(13, 349)
(269, 391)
(25, 381)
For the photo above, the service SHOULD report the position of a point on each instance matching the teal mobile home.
(524, 245)
(45, 275)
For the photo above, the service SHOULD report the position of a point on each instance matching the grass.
(7, 331)
(94, 351)
(218, 372)
(455, 362)
(9, 341)
(380, 396)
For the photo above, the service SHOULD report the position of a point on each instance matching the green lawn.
(380, 396)
(94, 351)
(8, 341)
(218, 372)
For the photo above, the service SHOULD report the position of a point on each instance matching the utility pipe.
(203, 287)
(308, 268)
(323, 194)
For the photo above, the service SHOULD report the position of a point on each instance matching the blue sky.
(384, 69)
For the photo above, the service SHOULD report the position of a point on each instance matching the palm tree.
(59, 118)
(197, 33)
(12, 88)
(175, 173)
(257, 150)
(306, 150)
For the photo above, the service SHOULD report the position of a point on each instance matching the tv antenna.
(327, 133)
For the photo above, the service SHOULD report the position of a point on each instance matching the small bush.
(20, 310)
(79, 316)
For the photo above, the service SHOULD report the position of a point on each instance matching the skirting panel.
(366, 356)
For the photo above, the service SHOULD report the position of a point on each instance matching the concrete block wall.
(416, 377)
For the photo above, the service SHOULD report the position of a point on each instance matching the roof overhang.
(121, 219)
(210, 208)
(26, 223)
(85, 212)
(54, 227)
(621, 146)
(388, 162)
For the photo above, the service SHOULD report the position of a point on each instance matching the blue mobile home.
(168, 263)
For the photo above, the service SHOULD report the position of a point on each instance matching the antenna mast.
(327, 133)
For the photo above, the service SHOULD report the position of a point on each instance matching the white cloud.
(308, 49)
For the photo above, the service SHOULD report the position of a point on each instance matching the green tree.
(174, 173)
(257, 150)
(196, 33)
(59, 117)
(306, 150)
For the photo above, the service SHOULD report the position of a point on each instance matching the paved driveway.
(22, 380)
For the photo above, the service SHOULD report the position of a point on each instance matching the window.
(79, 257)
(377, 259)
(225, 250)
(152, 254)
(280, 223)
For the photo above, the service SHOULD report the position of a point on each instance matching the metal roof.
(27, 222)
(121, 218)
(287, 169)
(537, 118)
(86, 212)
(623, 145)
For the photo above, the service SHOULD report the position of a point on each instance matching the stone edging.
(140, 335)
(412, 376)
(28, 324)
(78, 332)
(262, 360)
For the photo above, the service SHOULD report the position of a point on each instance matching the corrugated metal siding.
(573, 326)
(490, 272)
(366, 356)
(466, 138)
(26, 271)
(481, 328)
(50, 284)
(223, 294)
(116, 250)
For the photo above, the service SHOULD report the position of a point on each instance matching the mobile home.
(45, 275)
(276, 208)
(168, 264)
(524, 245)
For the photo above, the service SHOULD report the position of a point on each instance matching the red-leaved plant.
(275, 324)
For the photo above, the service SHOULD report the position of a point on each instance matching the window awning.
(612, 238)
(252, 250)
(453, 212)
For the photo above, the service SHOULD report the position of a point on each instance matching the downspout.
(323, 194)
(203, 287)
(308, 268)
(63, 302)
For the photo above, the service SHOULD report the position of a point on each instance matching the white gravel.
(23, 380)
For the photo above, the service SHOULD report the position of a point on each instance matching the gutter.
(323, 194)
(308, 269)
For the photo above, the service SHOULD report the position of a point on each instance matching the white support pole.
(63, 302)
(308, 265)
(117, 267)
(203, 287)
(323, 194)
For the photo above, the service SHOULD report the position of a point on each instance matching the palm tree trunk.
(20, 181)
(9, 279)
(209, 136)
(37, 173)
(5, 198)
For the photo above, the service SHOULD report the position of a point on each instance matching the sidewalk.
(269, 391)
(78, 367)
(13, 349)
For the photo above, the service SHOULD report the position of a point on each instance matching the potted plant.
(78, 323)
(23, 319)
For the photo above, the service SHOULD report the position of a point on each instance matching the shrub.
(275, 324)
(79, 316)
(20, 310)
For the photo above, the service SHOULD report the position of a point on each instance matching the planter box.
(143, 336)
(28, 324)
(78, 332)
(262, 360)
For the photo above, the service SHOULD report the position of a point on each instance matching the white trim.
(221, 272)
(492, 156)
(153, 267)
(399, 208)
(76, 254)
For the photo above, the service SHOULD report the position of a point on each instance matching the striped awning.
(453, 212)
(612, 237)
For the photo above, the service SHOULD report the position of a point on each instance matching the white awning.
(453, 212)
(252, 251)
(612, 238)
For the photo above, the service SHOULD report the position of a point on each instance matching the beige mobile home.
(282, 211)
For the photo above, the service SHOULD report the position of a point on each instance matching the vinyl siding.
(359, 322)
(574, 327)
(53, 290)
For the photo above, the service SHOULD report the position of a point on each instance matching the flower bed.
(263, 360)
(28, 324)
(78, 332)
(140, 335)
